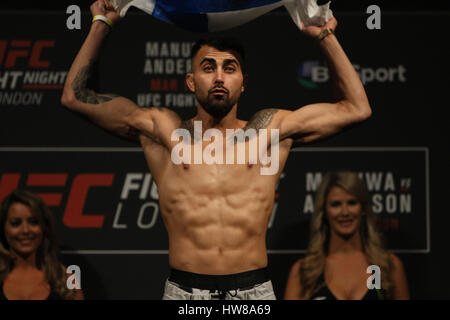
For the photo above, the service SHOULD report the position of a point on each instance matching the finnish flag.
(218, 15)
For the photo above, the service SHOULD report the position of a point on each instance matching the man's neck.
(230, 121)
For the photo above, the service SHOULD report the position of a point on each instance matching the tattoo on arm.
(261, 119)
(82, 92)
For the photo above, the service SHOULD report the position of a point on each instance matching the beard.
(217, 106)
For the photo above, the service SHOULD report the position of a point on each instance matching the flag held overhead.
(218, 15)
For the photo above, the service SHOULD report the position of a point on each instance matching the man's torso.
(216, 215)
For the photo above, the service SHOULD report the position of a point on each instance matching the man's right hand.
(105, 8)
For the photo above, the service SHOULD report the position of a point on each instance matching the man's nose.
(219, 76)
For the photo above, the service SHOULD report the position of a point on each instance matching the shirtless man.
(216, 215)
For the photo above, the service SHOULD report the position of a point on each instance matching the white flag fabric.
(218, 15)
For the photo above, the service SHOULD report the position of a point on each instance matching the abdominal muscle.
(216, 217)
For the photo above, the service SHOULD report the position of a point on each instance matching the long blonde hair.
(47, 254)
(313, 264)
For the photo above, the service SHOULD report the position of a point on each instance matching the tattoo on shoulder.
(82, 93)
(261, 119)
(187, 124)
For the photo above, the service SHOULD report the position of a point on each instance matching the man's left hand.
(313, 31)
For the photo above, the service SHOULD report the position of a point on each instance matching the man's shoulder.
(267, 118)
(187, 124)
(161, 113)
(263, 118)
(159, 109)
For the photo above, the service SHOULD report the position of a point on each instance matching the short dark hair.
(222, 44)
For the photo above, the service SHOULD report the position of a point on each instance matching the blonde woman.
(29, 264)
(343, 243)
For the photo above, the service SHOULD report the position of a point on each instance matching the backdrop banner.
(104, 199)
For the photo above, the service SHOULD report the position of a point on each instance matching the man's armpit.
(132, 133)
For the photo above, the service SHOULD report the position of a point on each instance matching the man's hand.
(105, 8)
(313, 31)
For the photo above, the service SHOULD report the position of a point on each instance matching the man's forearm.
(346, 83)
(83, 66)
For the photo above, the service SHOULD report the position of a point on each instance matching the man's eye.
(230, 69)
(207, 68)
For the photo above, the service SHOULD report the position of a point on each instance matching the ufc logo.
(24, 49)
(73, 216)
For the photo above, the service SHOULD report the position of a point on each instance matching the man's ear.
(190, 81)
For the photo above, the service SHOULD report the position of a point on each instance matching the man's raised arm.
(351, 105)
(109, 111)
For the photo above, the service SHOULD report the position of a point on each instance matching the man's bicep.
(156, 123)
(315, 121)
(108, 111)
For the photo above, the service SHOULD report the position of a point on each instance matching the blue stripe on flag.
(206, 6)
(190, 21)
